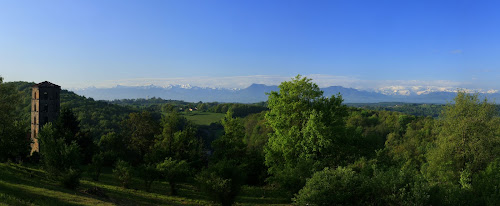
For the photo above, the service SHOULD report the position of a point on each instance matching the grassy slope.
(203, 118)
(20, 185)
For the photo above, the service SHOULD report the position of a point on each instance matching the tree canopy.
(306, 129)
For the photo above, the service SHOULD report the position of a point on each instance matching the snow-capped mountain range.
(421, 90)
(257, 93)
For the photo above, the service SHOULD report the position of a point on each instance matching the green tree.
(96, 166)
(256, 136)
(227, 170)
(487, 184)
(112, 147)
(60, 160)
(139, 132)
(411, 148)
(222, 180)
(230, 145)
(14, 142)
(308, 132)
(149, 173)
(123, 171)
(67, 126)
(174, 172)
(179, 140)
(466, 143)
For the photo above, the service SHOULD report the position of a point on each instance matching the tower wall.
(45, 107)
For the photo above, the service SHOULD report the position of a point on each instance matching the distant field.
(20, 185)
(203, 118)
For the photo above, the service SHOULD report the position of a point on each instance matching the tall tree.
(227, 170)
(178, 140)
(467, 140)
(139, 132)
(61, 160)
(14, 142)
(308, 130)
(230, 145)
(67, 126)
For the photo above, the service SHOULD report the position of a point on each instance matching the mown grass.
(203, 118)
(21, 185)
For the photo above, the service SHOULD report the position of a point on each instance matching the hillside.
(23, 185)
(96, 117)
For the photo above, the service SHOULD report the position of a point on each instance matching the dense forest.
(315, 150)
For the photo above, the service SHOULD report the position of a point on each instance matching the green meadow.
(203, 118)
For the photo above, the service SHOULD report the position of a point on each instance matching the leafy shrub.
(71, 179)
(339, 186)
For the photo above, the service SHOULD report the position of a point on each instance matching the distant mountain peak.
(257, 93)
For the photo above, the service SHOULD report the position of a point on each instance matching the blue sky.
(369, 43)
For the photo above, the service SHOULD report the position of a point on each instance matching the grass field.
(203, 118)
(21, 185)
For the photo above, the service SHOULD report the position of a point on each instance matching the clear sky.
(83, 43)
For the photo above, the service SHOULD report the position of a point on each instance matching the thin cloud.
(456, 51)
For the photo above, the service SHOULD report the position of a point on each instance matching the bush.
(123, 171)
(71, 179)
(394, 186)
(339, 186)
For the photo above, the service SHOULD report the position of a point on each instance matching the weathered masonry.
(45, 106)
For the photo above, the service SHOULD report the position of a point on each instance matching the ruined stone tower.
(45, 106)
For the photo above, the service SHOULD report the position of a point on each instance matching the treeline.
(425, 110)
(155, 105)
(318, 150)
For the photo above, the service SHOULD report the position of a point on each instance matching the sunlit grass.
(203, 118)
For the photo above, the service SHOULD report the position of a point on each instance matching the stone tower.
(45, 106)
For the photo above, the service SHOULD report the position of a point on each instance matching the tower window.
(45, 95)
(46, 119)
(46, 108)
(34, 120)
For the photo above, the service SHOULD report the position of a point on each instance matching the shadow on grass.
(21, 185)
(159, 189)
(20, 175)
(136, 194)
(31, 185)
(24, 195)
